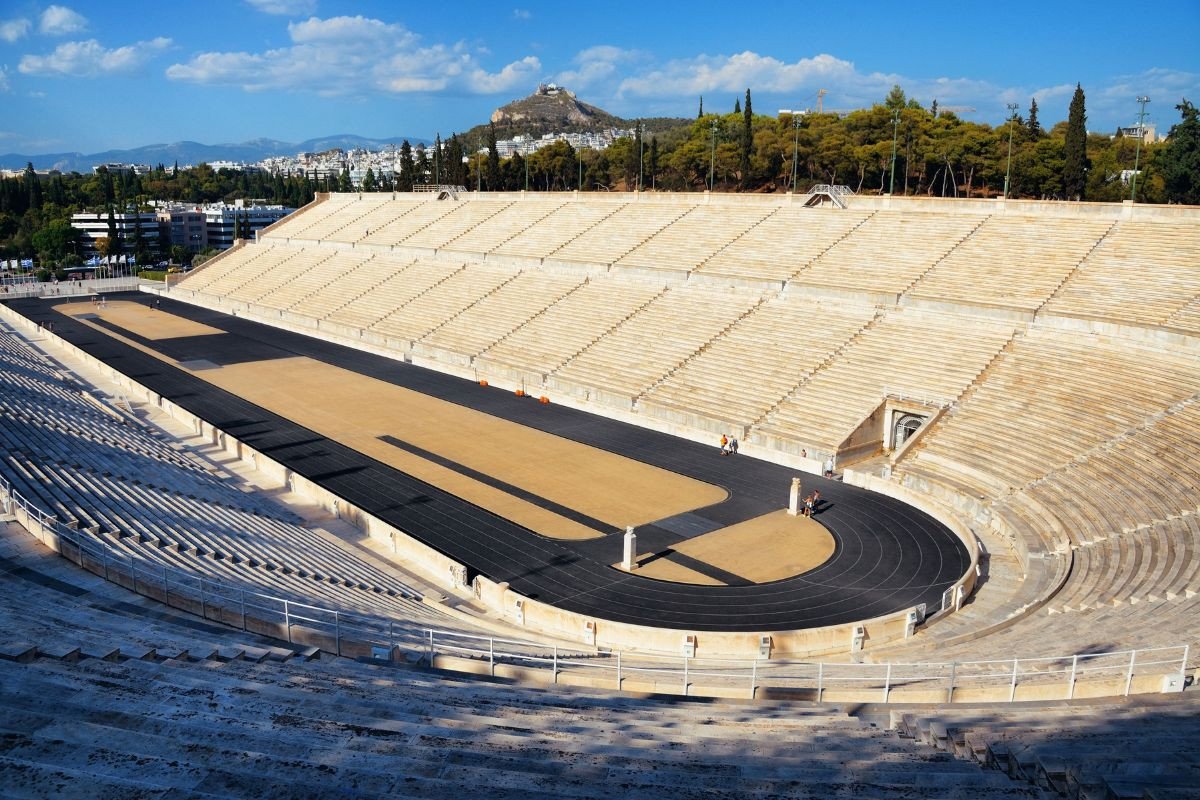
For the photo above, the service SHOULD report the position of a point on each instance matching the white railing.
(69, 288)
(355, 634)
(924, 399)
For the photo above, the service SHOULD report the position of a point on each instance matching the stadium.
(418, 492)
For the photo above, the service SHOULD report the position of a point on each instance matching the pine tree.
(747, 142)
(701, 113)
(737, 105)
(1180, 159)
(1075, 160)
(114, 239)
(344, 183)
(933, 109)
(1031, 124)
(368, 182)
(493, 161)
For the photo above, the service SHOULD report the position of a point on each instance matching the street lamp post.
(1142, 99)
(1012, 117)
(641, 129)
(580, 154)
(895, 131)
(526, 160)
(712, 157)
(478, 168)
(795, 148)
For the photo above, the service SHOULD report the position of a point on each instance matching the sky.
(91, 76)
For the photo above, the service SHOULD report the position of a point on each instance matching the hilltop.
(556, 109)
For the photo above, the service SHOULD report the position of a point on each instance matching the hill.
(555, 109)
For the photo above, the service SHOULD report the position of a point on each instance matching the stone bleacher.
(888, 252)
(1085, 751)
(694, 238)
(647, 346)
(733, 382)
(123, 486)
(567, 327)
(1141, 274)
(905, 352)
(621, 232)
(1011, 262)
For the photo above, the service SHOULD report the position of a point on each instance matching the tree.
(746, 145)
(896, 99)
(404, 181)
(33, 186)
(1075, 160)
(1179, 161)
(701, 112)
(492, 176)
(1032, 126)
(368, 181)
(344, 183)
(737, 105)
(114, 239)
(653, 162)
(55, 240)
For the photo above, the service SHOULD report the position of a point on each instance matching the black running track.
(888, 555)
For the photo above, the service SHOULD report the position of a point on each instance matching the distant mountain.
(196, 153)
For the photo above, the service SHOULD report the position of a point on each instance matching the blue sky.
(118, 74)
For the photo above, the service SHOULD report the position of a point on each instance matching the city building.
(94, 226)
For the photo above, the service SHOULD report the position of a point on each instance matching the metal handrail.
(345, 625)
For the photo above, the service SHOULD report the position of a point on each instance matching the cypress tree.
(493, 161)
(404, 181)
(653, 162)
(701, 113)
(1075, 160)
(1031, 124)
(747, 142)
(737, 106)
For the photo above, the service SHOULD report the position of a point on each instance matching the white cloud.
(88, 59)
(5, 84)
(521, 13)
(60, 21)
(13, 29)
(354, 56)
(285, 8)
(596, 66)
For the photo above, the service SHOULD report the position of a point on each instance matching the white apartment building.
(94, 226)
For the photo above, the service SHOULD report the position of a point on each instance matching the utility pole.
(1012, 117)
(641, 128)
(580, 154)
(795, 147)
(895, 130)
(1138, 152)
(712, 157)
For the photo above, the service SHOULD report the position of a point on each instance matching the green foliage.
(1075, 158)
(1179, 161)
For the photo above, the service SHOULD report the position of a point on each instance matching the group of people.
(729, 445)
(810, 503)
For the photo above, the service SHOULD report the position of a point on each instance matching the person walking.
(724, 445)
(733, 446)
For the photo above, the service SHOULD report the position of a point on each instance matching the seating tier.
(1010, 261)
(1142, 273)
(694, 238)
(644, 348)
(568, 326)
(888, 251)
(782, 244)
(764, 356)
(906, 353)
